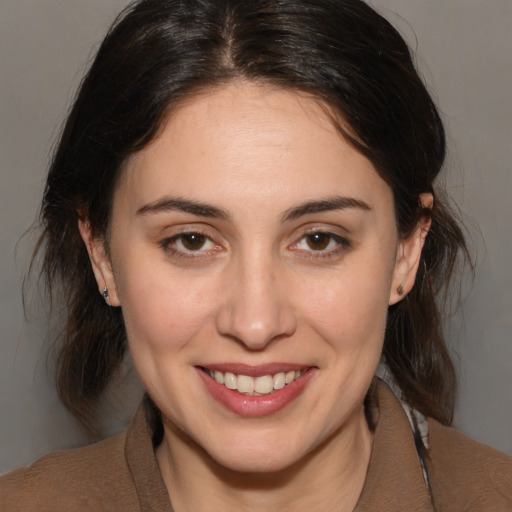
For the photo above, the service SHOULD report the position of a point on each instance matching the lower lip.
(255, 406)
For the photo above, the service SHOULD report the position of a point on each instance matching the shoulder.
(465, 474)
(72, 480)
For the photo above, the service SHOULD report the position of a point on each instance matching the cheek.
(349, 309)
(163, 309)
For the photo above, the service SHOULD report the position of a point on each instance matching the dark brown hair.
(160, 51)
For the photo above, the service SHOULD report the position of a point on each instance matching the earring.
(105, 295)
(400, 290)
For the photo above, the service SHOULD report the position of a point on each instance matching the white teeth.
(264, 384)
(290, 377)
(258, 386)
(230, 380)
(246, 384)
(279, 380)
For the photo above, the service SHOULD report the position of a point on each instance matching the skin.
(258, 287)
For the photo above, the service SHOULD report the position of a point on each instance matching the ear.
(100, 262)
(409, 254)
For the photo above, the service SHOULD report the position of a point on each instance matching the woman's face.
(253, 248)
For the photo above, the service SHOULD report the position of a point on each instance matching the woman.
(244, 197)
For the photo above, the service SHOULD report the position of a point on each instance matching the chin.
(257, 452)
(262, 462)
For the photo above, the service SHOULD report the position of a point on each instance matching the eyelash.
(168, 244)
(341, 244)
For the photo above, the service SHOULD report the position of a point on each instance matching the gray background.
(463, 49)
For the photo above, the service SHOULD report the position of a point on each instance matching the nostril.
(254, 311)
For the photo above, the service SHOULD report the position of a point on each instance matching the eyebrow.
(325, 205)
(166, 204)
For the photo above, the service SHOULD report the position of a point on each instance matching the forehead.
(246, 143)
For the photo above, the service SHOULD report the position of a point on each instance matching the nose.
(255, 310)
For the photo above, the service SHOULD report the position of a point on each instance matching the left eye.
(192, 242)
(318, 242)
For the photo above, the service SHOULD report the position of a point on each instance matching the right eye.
(189, 243)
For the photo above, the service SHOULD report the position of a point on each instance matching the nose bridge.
(255, 309)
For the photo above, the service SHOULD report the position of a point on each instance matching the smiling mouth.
(255, 386)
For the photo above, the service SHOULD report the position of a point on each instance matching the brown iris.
(193, 241)
(318, 241)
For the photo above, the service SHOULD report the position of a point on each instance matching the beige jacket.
(121, 473)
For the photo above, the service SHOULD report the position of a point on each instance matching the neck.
(338, 467)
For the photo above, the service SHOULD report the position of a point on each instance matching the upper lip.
(254, 370)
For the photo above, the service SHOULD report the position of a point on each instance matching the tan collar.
(141, 460)
(394, 481)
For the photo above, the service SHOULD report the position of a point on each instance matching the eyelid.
(168, 243)
(341, 241)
